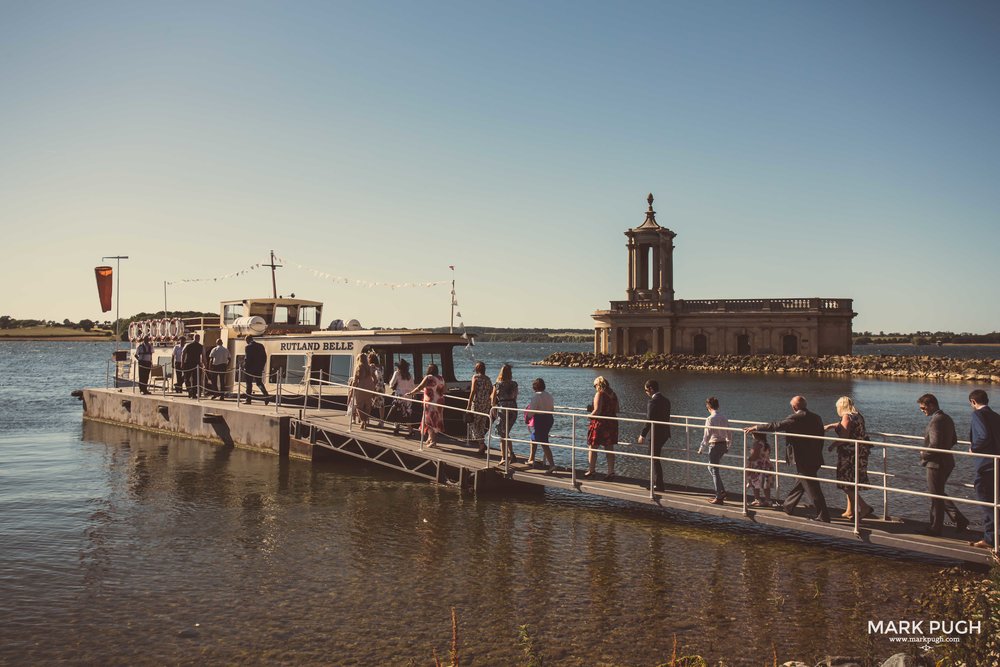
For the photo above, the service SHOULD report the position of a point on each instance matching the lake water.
(123, 547)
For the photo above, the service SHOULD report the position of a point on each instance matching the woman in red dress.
(602, 432)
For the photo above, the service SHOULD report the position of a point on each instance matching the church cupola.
(650, 261)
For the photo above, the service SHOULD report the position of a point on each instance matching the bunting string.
(233, 274)
(356, 282)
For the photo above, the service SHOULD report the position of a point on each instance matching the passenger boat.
(303, 359)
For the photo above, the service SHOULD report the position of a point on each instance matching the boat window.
(291, 368)
(340, 368)
(231, 311)
(320, 368)
(280, 315)
(309, 316)
(428, 358)
(394, 358)
(167, 362)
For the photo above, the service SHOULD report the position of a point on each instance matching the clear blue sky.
(840, 149)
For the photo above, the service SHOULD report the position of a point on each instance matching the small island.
(873, 366)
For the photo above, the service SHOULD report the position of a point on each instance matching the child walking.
(760, 461)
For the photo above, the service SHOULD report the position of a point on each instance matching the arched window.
(700, 344)
(743, 344)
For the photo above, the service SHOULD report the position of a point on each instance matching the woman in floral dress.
(434, 387)
(504, 395)
(851, 427)
(479, 401)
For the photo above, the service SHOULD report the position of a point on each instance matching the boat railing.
(576, 443)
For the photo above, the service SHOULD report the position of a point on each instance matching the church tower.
(650, 263)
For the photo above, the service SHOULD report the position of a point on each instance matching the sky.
(797, 149)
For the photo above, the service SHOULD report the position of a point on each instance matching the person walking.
(144, 360)
(851, 427)
(539, 421)
(432, 422)
(808, 454)
(504, 399)
(360, 393)
(657, 410)
(479, 401)
(378, 398)
(939, 437)
(192, 357)
(254, 362)
(178, 362)
(402, 384)
(218, 366)
(716, 438)
(602, 431)
(984, 434)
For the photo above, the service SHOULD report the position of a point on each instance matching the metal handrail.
(574, 448)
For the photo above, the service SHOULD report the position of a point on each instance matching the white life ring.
(178, 327)
(133, 331)
(161, 328)
(146, 328)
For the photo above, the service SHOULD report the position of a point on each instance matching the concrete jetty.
(310, 434)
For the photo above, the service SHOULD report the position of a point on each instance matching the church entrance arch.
(700, 344)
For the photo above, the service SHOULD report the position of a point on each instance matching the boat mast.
(274, 284)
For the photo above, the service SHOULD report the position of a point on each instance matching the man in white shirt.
(717, 440)
(179, 364)
(218, 361)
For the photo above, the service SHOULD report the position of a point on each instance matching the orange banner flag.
(104, 286)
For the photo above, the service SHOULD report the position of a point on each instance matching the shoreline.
(872, 366)
(68, 338)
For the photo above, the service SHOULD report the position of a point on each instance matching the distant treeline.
(514, 335)
(925, 338)
(8, 322)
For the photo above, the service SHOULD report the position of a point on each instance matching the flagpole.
(451, 327)
(118, 295)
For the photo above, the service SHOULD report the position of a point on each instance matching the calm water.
(122, 547)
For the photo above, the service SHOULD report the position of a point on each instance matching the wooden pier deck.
(313, 434)
(331, 432)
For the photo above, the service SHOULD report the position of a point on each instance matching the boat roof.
(280, 301)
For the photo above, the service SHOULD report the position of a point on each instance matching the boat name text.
(327, 346)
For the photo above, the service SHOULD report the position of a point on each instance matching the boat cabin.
(299, 351)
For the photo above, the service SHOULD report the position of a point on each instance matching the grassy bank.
(54, 333)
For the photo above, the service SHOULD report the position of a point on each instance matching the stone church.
(652, 320)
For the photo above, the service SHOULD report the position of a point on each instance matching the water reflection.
(127, 547)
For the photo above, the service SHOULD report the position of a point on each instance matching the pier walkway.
(312, 434)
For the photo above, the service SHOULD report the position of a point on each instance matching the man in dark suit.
(192, 355)
(984, 435)
(939, 437)
(808, 454)
(254, 361)
(657, 410)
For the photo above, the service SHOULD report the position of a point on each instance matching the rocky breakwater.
(880, 366)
